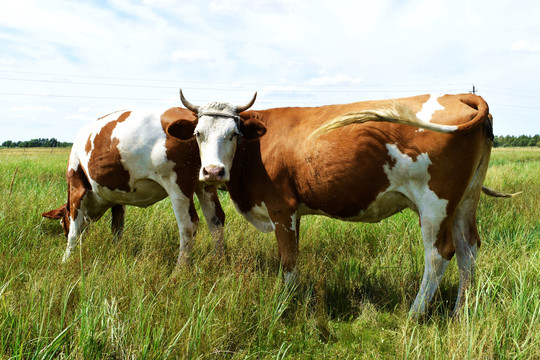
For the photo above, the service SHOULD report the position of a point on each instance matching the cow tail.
(400, 113)
(495, 193)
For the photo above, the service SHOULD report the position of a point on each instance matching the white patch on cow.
(141, 144)
(411, 178)
(429, 108)
(142, 151)
(258, 216)
(89, 131)
(291, 227)
(293, 222)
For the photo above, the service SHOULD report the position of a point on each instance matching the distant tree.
(519, 141)
(36, 143)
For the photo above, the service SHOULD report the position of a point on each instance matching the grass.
(356, 281)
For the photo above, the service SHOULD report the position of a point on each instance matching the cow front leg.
(76, 226)
(188, 221)
(214, 215)
(287, 238)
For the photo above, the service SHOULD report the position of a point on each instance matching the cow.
(128, 158)
(363, 161)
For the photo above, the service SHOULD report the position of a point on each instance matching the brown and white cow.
(128, 158)
(356, 162)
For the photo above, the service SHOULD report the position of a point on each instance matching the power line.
(235, 85)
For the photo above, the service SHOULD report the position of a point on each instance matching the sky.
(66, 63)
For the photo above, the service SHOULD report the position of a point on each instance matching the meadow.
(126, 300)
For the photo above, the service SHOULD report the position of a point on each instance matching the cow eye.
(232, 136)
(197, 134)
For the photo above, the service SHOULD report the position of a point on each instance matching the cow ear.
(56, 213)
(182, 129)
(252, 129)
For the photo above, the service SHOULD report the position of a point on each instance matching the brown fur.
(341, 172)
(105, 166)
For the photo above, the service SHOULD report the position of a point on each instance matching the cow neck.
(246, 175)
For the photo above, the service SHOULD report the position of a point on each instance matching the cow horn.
(239, 109)
(187, 104)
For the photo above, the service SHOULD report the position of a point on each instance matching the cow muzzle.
(213, 174)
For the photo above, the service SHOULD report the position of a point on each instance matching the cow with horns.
(129, 158)
(363, 161)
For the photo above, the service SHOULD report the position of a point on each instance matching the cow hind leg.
(117, 221)
(434, 268)
(466, 241)
(464, 231)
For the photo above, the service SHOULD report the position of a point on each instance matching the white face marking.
(217, 137)
(429, 108)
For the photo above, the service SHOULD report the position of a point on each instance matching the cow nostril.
(221, 172)
(204, 171)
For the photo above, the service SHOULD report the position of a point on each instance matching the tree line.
(36, 143)
(498, 141)
(516, 141)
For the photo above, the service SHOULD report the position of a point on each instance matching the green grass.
(356, 281)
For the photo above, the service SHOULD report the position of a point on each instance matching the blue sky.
(66, 63)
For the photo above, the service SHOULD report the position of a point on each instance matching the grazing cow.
(356, 162)
(128, 158)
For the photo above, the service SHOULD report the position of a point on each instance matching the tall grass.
(355, 285)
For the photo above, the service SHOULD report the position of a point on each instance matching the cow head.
(217, 129)
(60, 213)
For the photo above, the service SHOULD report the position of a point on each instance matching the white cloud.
(188, 56)
(77, 117)
(236, 7)
(6, 61)
(31, 108)
(524, 46)
(292, 51)
(338, 79)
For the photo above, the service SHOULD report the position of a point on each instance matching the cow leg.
(466, 240)
(188, 221)
(76, 226)
(434, 268)
(90, 208)
(117, 221)
(77, 203)
(287, 238)
(214, 215)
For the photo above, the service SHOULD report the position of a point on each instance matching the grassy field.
(125, 300)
